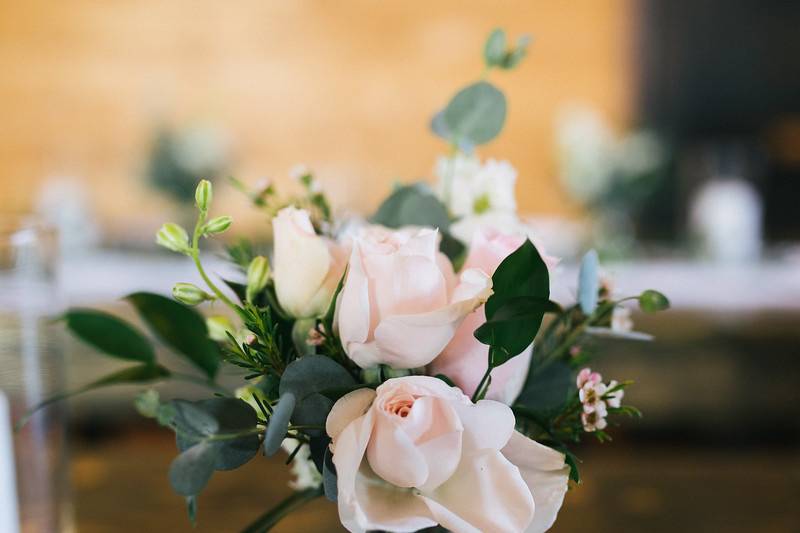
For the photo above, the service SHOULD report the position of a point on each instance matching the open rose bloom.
(416, 452)
(401, 304)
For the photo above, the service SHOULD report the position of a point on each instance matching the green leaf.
(476, 113)
(494, 51)
(412, 205)
(523, 273)
(279, 423)
(109, 335)
(130, 375)
(547, 390)
(180, 327)
(229, 416)
(514, 326)
(190, 471)
(329, 478)
(651, 301)
(308, 378)
(588, 282)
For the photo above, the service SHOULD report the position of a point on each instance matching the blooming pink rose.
(465, 359)
(416, 453)
(401, 303)
(306, 267)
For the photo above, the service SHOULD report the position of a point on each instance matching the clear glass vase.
(32, 369)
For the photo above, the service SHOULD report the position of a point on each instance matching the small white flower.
(306, 475)
(593, 421)
(591, 396)
(298, 171)
(614, 399)
(587, 376)
(621, 321)
(471, 188)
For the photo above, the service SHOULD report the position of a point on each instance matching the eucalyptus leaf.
(190, 471)
(589, 282)
(439, 127)
(279, 423)
(476, 113)
(329, 478)
(547, 389)
(494, 51)
(412, 205)
(110, 335)
(180, 327)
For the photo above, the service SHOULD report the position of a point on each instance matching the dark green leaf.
(547, 389)
(445, 379)
(476, 113)
(412, 205)
(191, 509)
(180, 327)
(279, 423)
(131, 375)
(513, 326)
(523, 273)
(190, 471)
(588, 282)
(651, 301)
(109, 335)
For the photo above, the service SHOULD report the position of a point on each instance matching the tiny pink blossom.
(614, 399)
(250, 339)
(593, 421)
(575, 351)
(587, 376)
(315, 337)
(591, 396)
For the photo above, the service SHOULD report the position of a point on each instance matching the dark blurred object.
(714, 72)
(179, 159)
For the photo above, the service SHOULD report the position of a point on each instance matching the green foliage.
(474, 116)
(181, 328)
(329, 479)
(496, 53)
(309, 378)
(651, 301)
(110, 335)
(514, 312)
(279, 423)
(589, 282)
(548, 390)
(266, 521)
(412, 205)
(190, 471)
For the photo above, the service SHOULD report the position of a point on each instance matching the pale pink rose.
(415, 453)
(306, 267)
(401, 303)
(465, 359)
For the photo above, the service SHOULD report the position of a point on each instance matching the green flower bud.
(173, 237)
(257, 276)
(203, 194)
(217, 225)
(189, 294)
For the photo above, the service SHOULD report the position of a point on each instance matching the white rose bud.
(217, 225)
(203, 195)
(173, 237)
(257, 276)
(190, 294)
(307, 266)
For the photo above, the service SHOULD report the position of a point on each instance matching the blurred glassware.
(32, 369)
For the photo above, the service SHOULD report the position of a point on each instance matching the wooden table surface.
(119, 484)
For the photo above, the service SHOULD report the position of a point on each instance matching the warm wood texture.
(347, 87)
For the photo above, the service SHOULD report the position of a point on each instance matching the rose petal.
(346, 409)
(546, 475)
(353, 306)
(487, 425)
(486, 493)
(392, 454)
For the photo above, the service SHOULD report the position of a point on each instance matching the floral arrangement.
(400, 360)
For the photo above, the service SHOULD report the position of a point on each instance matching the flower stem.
(195, 252)
(266, 521)
(480, 390)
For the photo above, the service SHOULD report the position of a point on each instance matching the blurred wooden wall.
(346, 87)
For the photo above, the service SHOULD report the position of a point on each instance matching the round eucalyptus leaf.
(476, 113)
(588, 282)
(329, 478)
(313, 373)
(190, 471)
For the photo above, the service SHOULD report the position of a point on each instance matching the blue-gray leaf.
(192, 469)
(279, 423)
(476, 113)
(588, 282)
